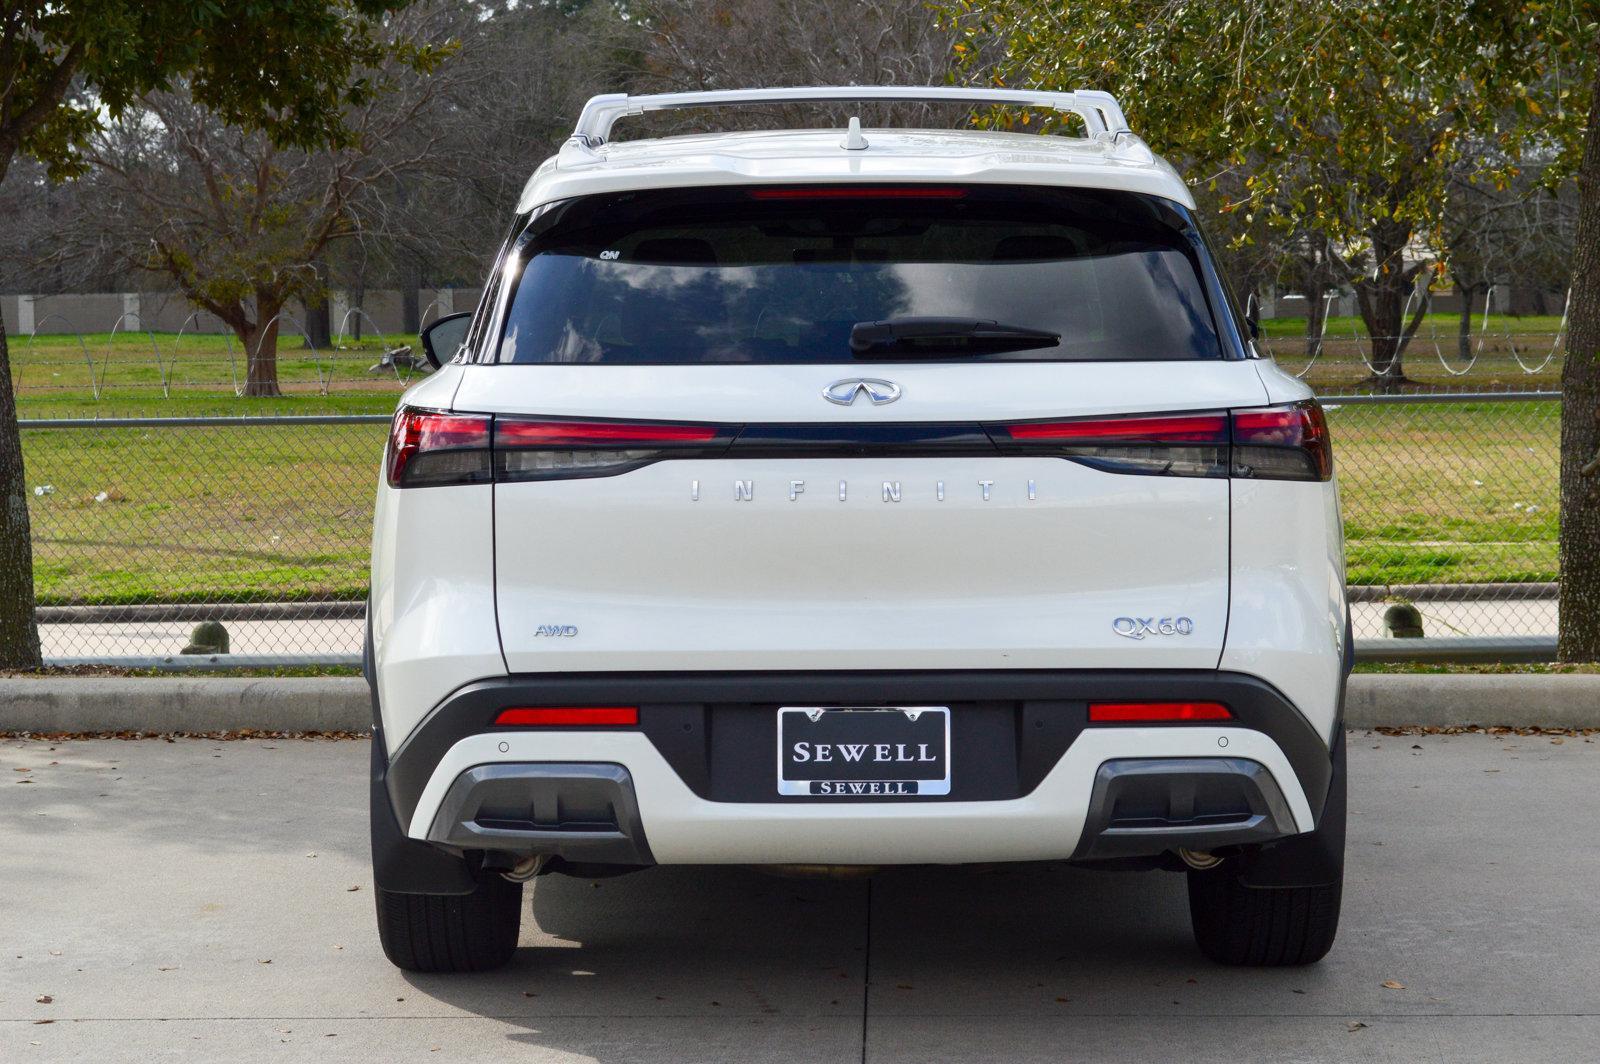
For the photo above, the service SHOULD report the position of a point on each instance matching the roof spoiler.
(1101, 114)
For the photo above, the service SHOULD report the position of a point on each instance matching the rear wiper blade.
(912, 337)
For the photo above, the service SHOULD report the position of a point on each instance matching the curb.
(340, 703)
(184, 704)
(1517, 700)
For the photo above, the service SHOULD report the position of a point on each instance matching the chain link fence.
(145, 528)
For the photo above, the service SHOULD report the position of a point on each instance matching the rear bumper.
(695, 782)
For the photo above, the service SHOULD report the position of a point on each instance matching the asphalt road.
(210, 901)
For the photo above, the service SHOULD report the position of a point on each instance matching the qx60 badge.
(878, 392)
(1140, 627)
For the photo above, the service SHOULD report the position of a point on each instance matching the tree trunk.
(19, 636)
(1464, 330)
(261, 348)
(1580, 417)
(410, 298)
(1382, 299)
(1316, 311)
(318, 329)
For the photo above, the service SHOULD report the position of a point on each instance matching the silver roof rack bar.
(1099, 111)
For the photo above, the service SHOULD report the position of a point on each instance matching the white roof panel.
(818, 156)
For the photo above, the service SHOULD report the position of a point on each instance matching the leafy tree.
(1371, 106)
(1344, 117)
(290, 69)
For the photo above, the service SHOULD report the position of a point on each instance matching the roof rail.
(1099, 110)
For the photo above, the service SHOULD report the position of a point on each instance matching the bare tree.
(237, 221)
(721, 44)
(1520, 231)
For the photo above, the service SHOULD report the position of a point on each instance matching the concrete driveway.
(210, 901)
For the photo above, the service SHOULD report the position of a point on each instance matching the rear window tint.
(713, 276)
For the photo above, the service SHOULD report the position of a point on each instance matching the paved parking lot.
(210, 901)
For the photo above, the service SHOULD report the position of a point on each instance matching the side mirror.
(442, 339)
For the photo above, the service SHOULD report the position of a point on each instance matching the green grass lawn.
(1443, 493)
(140, 375)
(1432, 493)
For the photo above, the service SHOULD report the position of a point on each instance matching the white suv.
(829, 497)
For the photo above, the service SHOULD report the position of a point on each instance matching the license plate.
(865, 751)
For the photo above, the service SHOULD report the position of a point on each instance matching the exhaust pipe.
(1199, 860)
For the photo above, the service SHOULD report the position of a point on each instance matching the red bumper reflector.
(568, 716)
(1128, 712)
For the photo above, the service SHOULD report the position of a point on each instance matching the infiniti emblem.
(878, 391)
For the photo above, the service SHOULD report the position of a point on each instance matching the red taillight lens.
(1148, 712)
(1282, 443)
(1183, 428)
(859, 192)
(1174, 445)
(510, 433)
(428, 447)
(568, 716)
(546, 450)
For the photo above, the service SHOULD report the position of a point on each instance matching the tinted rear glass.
(782, 276)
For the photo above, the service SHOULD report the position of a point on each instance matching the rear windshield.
(786, 275)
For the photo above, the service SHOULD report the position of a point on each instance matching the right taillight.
(1282, 443)
(1267, 443)
(1176, 445)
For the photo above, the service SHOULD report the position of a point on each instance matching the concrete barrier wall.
(169, 312)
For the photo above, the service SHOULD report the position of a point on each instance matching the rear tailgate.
(801, 556)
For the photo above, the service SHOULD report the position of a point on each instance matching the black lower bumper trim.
(706, 725)
(1146, 806)
(583, 813)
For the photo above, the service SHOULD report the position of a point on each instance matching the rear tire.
(451, 932)
(1262, 926)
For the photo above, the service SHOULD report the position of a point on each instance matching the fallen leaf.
(349, 889)
(37, 1023)
(267, 961)
(1393, 984)
(1355, 1025)
(1063, 1000)
(43, 999)
(22, 770)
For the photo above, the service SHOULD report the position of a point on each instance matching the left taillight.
(430, 447)
(543, 449)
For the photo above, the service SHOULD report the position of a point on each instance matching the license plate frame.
(871, 719)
